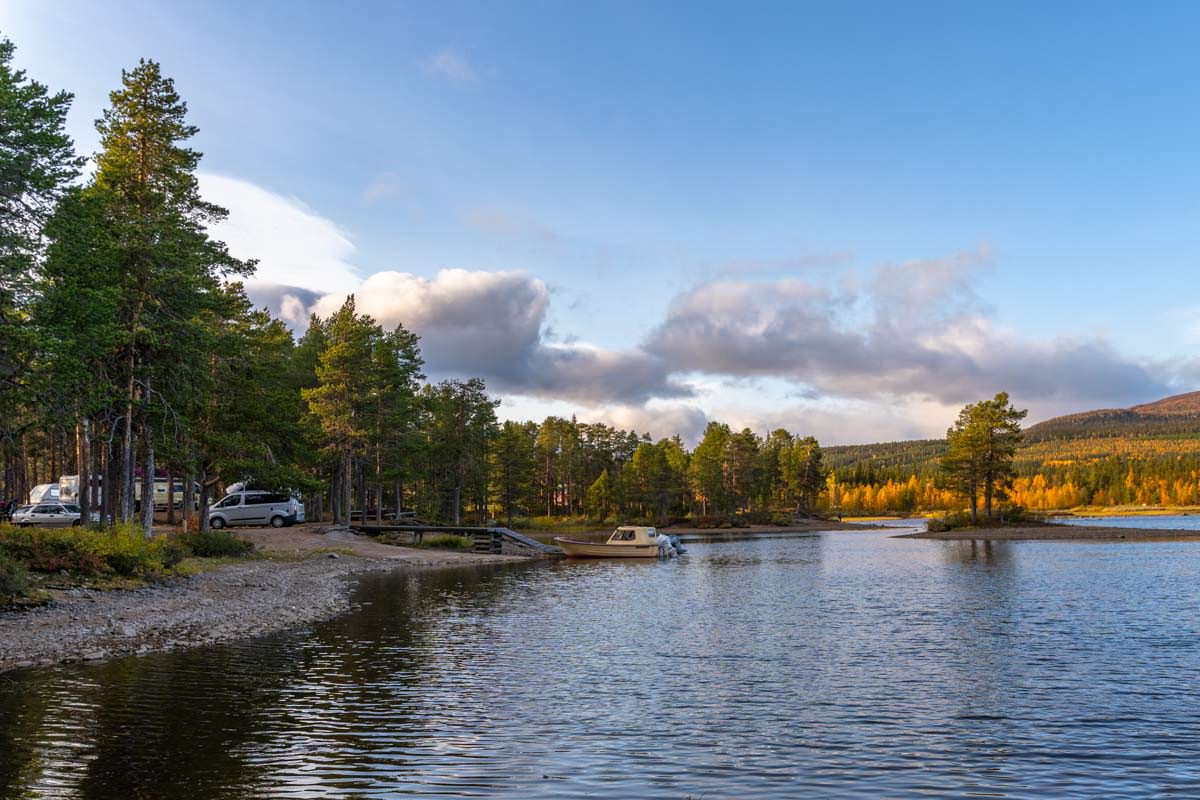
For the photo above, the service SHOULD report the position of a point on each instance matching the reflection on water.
(843, 664)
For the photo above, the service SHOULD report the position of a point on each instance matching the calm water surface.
(831, 665)
(1177, 522)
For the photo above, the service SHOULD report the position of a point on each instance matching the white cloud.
(490, 324)
(660, 420)
(450, 64)
(294, 245)
(914, 330)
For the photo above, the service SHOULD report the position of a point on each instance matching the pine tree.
(37, 162)
(513, 460)
(981, 446)
(343, 374)
(146, 178)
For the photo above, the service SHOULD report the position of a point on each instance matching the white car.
(47, 515)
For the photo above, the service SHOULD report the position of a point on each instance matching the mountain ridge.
(1173, 417)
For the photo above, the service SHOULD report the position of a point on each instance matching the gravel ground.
(230, 602)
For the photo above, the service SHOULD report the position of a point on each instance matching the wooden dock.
(497, 540)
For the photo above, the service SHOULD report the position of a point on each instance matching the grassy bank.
(34, 560)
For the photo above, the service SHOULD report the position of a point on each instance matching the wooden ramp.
(497, 540)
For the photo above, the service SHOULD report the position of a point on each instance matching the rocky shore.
(304, 582)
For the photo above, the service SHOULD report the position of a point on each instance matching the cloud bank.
(858, 354)
(492, 324)
(916, 330)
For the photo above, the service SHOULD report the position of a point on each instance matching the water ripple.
(840, 665)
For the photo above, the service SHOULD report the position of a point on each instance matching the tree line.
(130, 349)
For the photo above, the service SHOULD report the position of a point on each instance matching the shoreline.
(302, 577)
(805, 526)
(1061, 533)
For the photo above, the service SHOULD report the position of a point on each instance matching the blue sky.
(843, 218)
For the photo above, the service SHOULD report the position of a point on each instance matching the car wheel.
(216, 523)
(76, 523)
(277, 522)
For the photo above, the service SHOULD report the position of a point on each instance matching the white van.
(256, 508)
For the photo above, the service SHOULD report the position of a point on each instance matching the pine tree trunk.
(204, 498)
(170, 497)
(127, 471)
(148, 478)
(106, 483)
(189, 500)
(458, 495)
(347, 487)
(83, 449)
(335, 495)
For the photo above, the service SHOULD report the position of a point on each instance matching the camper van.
(68, 492)
(160, 494)
(43, 493)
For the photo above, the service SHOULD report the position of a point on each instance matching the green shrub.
(214, 544)
(14, 578)
(123, 550)
(949, 522)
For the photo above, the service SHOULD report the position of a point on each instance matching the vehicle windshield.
(71, 509)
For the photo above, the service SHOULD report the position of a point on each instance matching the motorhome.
(43, 493)
(68, 492)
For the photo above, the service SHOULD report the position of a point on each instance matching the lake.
(1158, 522)
(830, 665)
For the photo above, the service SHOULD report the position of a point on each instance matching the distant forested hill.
(1147, 454)
(1177, 416)
(869, 463)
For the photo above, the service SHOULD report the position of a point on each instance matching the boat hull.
(573, 548)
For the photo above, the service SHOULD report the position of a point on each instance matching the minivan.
(256, 508)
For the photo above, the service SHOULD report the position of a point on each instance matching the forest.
(131, 352)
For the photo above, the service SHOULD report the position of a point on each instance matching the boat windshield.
(623, 536)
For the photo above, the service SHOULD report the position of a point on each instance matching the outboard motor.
(677, 544)
(665, 548)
